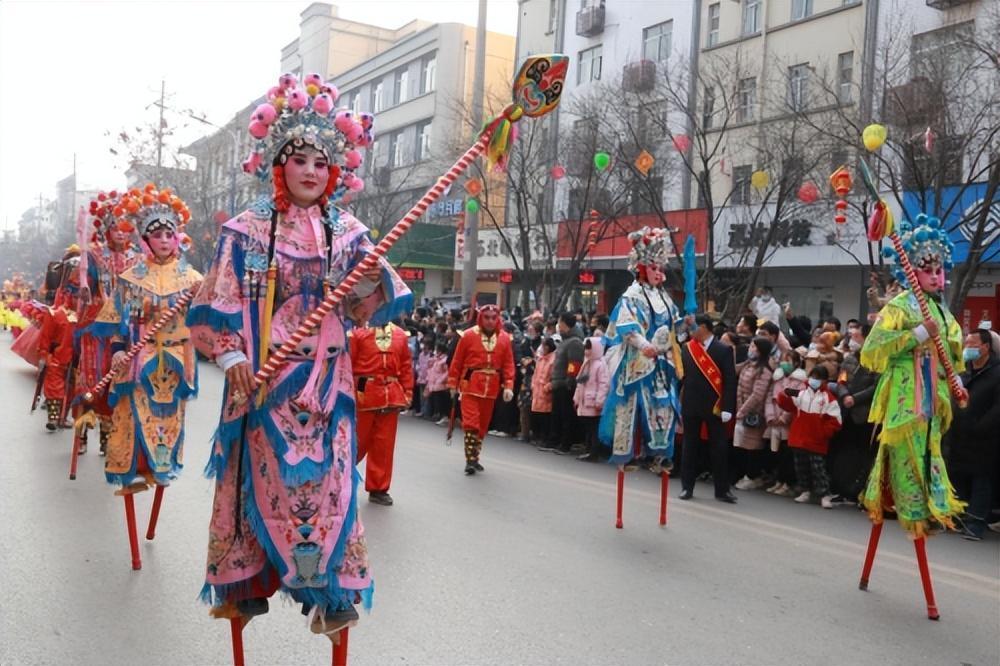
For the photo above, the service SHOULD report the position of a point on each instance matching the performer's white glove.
(508, 395)
(727, 417)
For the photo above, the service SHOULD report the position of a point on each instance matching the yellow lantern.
(760, 180)
(873, 137)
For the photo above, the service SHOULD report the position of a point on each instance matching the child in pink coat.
(592, 385)
(541, 392)
(789, 374)
(437, 383)
(422, 395)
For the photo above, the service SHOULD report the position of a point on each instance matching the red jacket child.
(815, 418)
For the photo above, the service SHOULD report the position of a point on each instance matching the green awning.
(425, 246)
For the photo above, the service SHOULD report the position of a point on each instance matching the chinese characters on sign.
(788, 233)
(587, 277)
(445, 208)
(410, 274)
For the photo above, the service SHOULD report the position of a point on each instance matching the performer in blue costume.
(641, 414)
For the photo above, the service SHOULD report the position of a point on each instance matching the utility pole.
(159, 131)
(470, 266)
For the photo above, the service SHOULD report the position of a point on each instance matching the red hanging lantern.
(841, 182)
(808, 193)
(682, 142)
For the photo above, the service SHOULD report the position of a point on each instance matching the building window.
(356, 102)
(423, 147)
(708, 108)
(741, 185)
(746, 99)
(751, 16)
(801, 9)
(656, 41)
(400, 86)
(845, 76)
(713, 24)
(396, 157)
(428, 73)
(553, 15)
(378, 96)
(798, 77)
(589, 65)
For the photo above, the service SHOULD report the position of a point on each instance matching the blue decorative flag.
(690, 278)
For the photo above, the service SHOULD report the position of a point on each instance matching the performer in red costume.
(483, 363)
(55, 342)
(383, 377)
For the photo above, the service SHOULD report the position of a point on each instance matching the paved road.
(520, 565)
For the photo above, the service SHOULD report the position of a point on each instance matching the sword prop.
(537, 91)
(38, 388)
(88, 418)
(451, 421)
(881, 225)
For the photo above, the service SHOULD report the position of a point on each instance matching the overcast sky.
(72, 70)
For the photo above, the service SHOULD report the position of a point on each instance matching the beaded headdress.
(925, 241)
(650, 247)
(297, 115)
(141, 212)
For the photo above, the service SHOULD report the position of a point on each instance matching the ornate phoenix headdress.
(650, 247)
(924, 240)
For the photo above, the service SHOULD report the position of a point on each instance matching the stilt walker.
(912, 402)
(383, 381)
(152, 381)
(247, 563)
(55, 340)
(641, 413)
(110, 253)
(482, 367)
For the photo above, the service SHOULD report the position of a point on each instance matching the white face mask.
(853, 345)
(814, 383)
(765, 298)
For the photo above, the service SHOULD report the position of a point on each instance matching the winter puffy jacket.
(815, 419)
(423, 365)
(437, 373)
(593, 381)
(541, 384)
(778, 419)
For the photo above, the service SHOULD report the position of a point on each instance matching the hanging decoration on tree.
(474, 187)
(460, 237)
(644, 162)
(760, 180)
(592, 230)
(602, 160)
(808, 192)
(682, 142)
(929, 137)
(841, 181)
(873, 137)
(558, 172)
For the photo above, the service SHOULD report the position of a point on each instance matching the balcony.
(590, 21)
(914, 104)
(639, 77)
(946, 4)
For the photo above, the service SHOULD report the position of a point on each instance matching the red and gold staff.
(383, 377)
(482, 365)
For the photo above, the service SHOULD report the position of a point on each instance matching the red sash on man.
(711, 373)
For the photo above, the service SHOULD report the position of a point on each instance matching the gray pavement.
(519, 565)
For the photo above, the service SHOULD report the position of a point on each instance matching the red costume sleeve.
(457, 362)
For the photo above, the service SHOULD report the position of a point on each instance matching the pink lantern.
(682, 142)
(808, 192)
(558, 172)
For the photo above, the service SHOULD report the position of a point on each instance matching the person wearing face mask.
(972, 441)
(815, 420)
(285, 511)
(789, 375)
(912, 401)
(765, 307)
(752, 390)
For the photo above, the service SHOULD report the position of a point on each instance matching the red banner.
(613, 240)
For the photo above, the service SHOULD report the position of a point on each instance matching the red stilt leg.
(621, 493)
(74, 455)
(236, 629)
(340, 648)
(155, 515)
(664, 489)
(920, 545)
(133, 539)
(870, 555)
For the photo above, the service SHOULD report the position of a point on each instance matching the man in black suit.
(703, 404)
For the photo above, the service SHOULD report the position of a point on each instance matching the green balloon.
(602, 160)
(472, 206)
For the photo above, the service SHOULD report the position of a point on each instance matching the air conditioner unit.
(590, 21)
(639, 76)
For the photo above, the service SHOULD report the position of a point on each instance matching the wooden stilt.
(236, 629)
(621, 494)
(920, 545)
(133, 539)
(664, 489)
(155, 514)
(870, 555)
(74, 455)
(340, 648)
